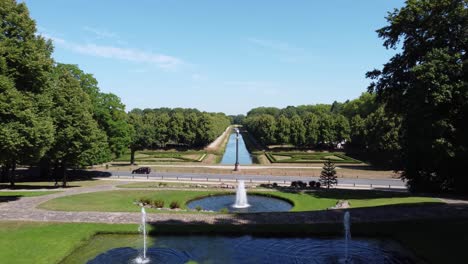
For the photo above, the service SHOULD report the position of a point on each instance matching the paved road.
(379, 183)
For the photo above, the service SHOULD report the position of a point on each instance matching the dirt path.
(216, 144)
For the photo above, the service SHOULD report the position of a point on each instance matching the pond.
(229, 157)
(257, 203)
(240, 249)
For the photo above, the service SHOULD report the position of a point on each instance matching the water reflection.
(261, 250)
(229, 157)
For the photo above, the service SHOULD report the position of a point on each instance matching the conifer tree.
(328, 176)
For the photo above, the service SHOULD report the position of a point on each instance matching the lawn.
(154, 156)
(155, 185)
(436, 241)
(123, 200)
(309, 157)
(22, 242)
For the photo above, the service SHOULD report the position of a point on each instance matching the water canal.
(230, 154)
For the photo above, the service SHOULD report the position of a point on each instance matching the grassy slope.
(122, 201)
(435, 241)
(46, 242)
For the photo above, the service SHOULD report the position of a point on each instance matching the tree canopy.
(425, 85)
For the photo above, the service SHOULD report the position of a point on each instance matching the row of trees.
(314, 128)
(51, 114)
(54, 115)
(188, 128)
(367, 128)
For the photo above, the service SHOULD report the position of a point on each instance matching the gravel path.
(24, 209)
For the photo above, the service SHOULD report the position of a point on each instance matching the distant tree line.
(309, 125)
(188, 128)
(362, 124)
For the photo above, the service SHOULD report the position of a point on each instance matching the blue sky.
(220, 56)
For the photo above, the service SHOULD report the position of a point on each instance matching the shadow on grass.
(31, 176)
(343, 194)
(19, 186)
(10, 198)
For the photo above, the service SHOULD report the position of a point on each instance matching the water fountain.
(347, 235)
(143, 259)
(241, 196)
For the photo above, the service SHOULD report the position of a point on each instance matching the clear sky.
(220, 56)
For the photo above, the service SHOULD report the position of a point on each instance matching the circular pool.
(258, 203)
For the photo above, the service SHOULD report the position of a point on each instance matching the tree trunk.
(63, 172)
(12, 174)
(132, 156)
(5, 170)
(55, 174)
(44, 169)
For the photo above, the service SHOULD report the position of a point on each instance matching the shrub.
(275, 185)
(294, 184)
(317, 185)
(174, 205)
(145, 200)
(158, 203)
(302, 184)
(162, 184)
(312, 184)
(224, 210)
(198, 208)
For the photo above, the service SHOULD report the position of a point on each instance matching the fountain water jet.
(143, 259)
(241, 196)
(347, 235)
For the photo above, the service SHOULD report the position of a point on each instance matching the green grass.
(155, 185)
(119, 201)
(305, 157)
(26, 193)
(123, 201)
(22, 242)
(435, 241)
(154, 156)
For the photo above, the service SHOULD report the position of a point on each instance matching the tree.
(298, 131)
(328, 176)
(26, 130)
(326, 132)
(143, 136)
(425, 84)
(77, 136)
(311, 129)
(283, 130)
(341, 128)
(108, 111)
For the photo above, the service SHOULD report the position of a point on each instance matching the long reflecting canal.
(230, 155)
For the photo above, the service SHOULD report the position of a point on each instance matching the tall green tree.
(77, 136)
(26, 130)
(311, 129)
(298, 131)
(283, 130)
(108, 111)
(425, 84)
